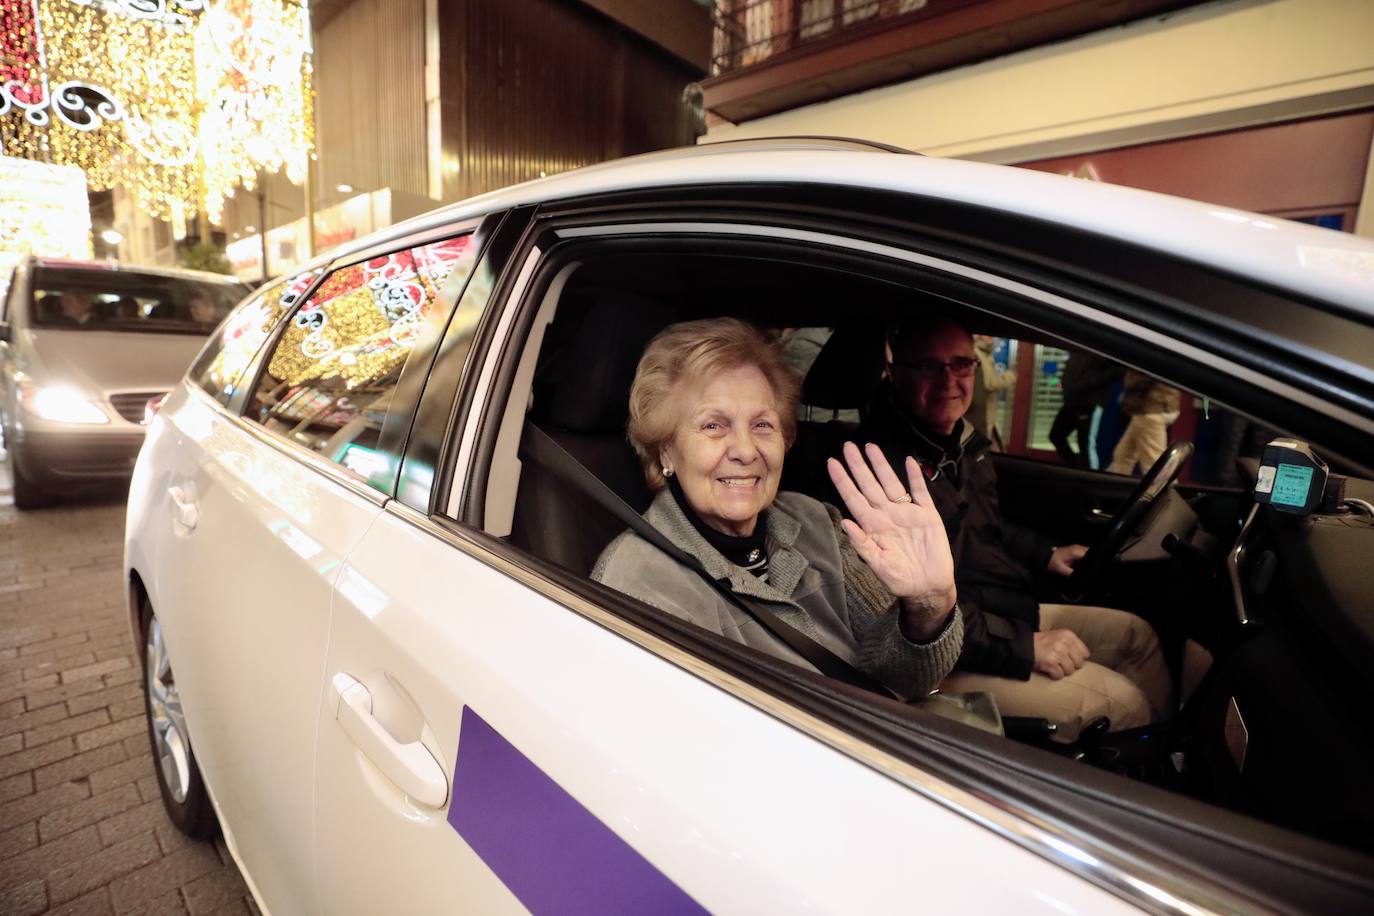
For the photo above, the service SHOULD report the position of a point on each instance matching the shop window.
(328, 383)
(1047, 395)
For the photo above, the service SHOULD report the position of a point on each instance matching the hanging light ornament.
(46, 211)
(127, 89)
(253, 89)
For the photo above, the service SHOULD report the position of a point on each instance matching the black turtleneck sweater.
(749, 553)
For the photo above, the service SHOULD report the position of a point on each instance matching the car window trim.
(467, 443)
(427, 463)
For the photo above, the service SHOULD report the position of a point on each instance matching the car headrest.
(593, 390)
(847, 369)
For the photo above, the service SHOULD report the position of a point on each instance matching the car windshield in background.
(98, 300)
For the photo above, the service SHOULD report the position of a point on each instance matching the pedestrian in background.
(1152, 407)
(1086, 385)
(988, 383)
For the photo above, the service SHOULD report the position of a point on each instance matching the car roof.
(1336, 267)
(176, 272)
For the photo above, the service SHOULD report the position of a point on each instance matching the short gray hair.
(689, 350)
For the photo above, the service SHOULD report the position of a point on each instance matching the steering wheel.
(1091, 567)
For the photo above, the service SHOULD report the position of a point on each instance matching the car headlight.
(61, 405)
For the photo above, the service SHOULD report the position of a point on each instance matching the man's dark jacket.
(993, 558)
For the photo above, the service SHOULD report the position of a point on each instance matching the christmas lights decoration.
(253, 89)
(46, 211)
(179, 101)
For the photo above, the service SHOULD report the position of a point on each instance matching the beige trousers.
(1125, 678)
(1146, 437)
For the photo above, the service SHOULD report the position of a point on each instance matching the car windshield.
(110, 300)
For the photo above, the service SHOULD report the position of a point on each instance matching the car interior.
(1283, 603)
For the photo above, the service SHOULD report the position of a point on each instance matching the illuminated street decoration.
(177, 101)
(167, 12)
(253, 89)
(46, 211)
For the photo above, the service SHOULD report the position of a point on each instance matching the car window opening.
(1055, 443)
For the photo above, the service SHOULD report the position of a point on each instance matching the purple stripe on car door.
(552, 853)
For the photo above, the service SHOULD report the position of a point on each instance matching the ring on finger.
(904, 498)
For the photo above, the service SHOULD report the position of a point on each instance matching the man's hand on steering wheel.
(1062, 560)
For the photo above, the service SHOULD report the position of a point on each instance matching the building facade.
(422, 102)
(1081, 81)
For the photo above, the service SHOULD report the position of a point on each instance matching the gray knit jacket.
(816, 583)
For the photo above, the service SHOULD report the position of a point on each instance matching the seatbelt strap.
(539, 446)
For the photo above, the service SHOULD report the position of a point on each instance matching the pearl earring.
(667, 472)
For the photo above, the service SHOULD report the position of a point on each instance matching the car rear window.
(119, 300)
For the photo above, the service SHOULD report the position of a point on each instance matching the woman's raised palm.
(902, 540)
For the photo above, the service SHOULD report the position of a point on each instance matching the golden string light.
(253, 92)
(167, 98)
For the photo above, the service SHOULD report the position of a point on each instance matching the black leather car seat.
(842, 378)
(581, 400)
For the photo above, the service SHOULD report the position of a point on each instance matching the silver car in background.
(84, 348)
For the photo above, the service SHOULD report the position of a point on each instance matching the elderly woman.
(712, 414)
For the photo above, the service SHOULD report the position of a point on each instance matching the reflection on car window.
(107, 300)
(222, 363)
(328, 383)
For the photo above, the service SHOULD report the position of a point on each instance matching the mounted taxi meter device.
(1291, 477)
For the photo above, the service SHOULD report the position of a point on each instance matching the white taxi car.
(375, 658)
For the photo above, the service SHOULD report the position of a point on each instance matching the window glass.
(328, 383)
(86, 299)
(1081, 410)
(220, 366)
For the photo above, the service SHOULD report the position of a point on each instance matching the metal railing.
(748, 32)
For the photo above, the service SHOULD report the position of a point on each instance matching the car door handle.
(184, 508)
(410, 766)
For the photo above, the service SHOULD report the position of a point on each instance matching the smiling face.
(727, 449)
(936, 400)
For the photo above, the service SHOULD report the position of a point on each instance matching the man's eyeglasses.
(959, 367)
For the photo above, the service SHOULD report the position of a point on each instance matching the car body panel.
(717, 795)
(248, 651)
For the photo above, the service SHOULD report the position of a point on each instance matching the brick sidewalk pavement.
(82, 829)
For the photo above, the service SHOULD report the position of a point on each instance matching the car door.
(264, 508)
(494, 739)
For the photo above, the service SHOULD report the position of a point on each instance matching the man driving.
(76, 306)
(1066, 663)
(202, 309)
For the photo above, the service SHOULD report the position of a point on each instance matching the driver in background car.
(1066, 663)
(76, 307)
(202, 309)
